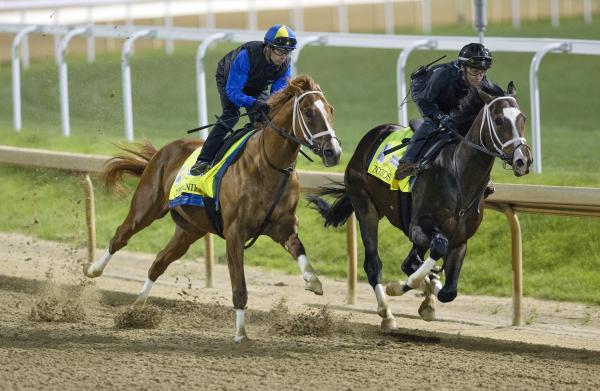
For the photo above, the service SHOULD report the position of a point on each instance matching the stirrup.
(200, 168)
(405, 169)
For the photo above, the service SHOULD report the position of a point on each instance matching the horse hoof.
(241, 339)
(395, 288)
(90, 271)
(314, 286)
(446, 296)
(427, 309)
(388, 325)
(139, 302)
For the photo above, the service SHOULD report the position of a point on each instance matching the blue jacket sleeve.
(280, 83)
(238, 75)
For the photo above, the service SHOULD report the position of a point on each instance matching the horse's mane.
(295, 87)
(471, 105)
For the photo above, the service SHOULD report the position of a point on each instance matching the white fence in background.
(129, 34)
(99, 11)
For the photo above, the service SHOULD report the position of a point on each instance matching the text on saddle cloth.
(189, 190)
(383, 166)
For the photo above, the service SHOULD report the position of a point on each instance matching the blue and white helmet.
(281, 36)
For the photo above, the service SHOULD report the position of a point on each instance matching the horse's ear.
(511, 89)
(485, 97)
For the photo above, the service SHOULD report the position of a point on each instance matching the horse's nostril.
(328, 153)
(519, 163)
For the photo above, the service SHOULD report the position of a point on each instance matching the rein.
(308, 140)
(288, 171)
(497, 143)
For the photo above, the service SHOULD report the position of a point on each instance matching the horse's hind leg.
(146, 206)
(175, 249)
(368, 220)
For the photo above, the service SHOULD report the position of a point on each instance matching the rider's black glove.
(260, 106)
(446, 121)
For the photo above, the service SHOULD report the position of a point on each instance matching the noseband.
(308, 137)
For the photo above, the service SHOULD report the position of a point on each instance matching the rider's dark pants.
(414, 149)
(226, 122)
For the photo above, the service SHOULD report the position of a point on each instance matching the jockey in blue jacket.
(243, 76)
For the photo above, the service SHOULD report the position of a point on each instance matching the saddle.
(433, 145)
(231, 139)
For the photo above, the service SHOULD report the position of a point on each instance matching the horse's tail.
(337, 213)
(132, 163)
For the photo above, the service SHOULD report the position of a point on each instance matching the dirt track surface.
(471, 346)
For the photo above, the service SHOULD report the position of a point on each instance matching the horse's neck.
(276, 150)
(471, 167)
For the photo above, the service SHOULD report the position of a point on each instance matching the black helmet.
(475, 55)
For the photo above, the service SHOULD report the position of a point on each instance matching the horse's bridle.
(309, 138)
(498, 145)
(308, 142)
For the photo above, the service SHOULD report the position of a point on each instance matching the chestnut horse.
(258, 194)
(445, 207)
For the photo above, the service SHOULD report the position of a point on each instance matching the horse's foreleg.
(175, 249)
(452, 266)
(438, 247)
(146, 206)
(295, 247)
(235, 262)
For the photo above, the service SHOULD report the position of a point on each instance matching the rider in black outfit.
(443, 90)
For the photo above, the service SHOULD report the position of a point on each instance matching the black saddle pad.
(434, 144)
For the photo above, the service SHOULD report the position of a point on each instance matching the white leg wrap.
(240, 323)
(303, 262)
(382, 304)
(97, 267)
(143, 295)
(437, 286)
(415, 279)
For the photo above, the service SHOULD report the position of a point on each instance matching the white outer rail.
(126, 74)
(16, 75)
(535, 100)
(63, 81)
(201, 78)
(401, 76)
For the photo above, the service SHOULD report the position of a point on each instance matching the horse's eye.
(309, 113)
(499, 121)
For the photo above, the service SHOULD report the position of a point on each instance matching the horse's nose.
(328, 153)
(331, 156)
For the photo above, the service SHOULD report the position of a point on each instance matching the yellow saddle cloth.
(384, 166)
(188, 189)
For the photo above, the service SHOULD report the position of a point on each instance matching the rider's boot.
(200, 168)
(408, 163)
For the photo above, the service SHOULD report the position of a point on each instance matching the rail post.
(126, 74)
(535, 100)
(63, 81)
(401, 75)
(16, 74)
(90, 214)
(352, 257)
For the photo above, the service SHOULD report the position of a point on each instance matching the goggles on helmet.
(284, 41)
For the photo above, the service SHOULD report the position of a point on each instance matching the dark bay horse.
(445, 207)
(263, 178)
